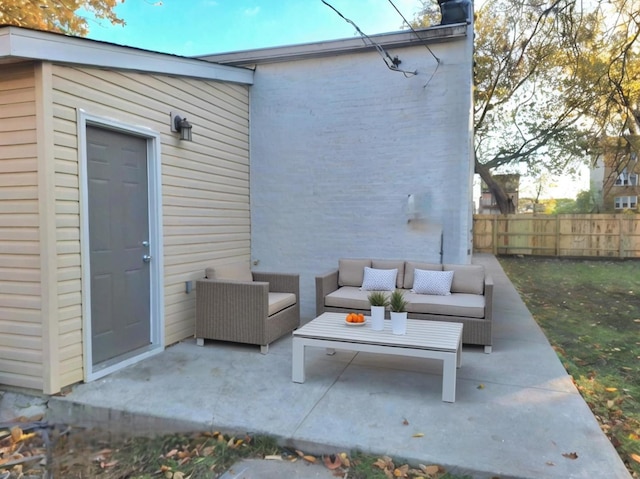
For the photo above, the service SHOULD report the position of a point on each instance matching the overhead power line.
(392, 63)
(414, 32)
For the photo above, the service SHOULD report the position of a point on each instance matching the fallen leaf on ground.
(401, 471)
(171, 453)
(405, 422)
(418, 434)
(384, 462)
(332, 462)
(480, 386)
(273, 457)
(431, 470)
(309, 458)
(635, 457)
(611, 390)
(16, 433)
(570, 455)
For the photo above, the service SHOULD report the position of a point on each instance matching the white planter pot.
(398, 323)
(377, 318)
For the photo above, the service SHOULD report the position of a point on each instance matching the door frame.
(154, 193)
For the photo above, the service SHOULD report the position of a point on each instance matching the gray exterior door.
(119, 243)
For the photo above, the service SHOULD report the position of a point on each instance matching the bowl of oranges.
(355, 319)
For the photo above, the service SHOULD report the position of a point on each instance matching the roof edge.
(25, 44)
(430, 35)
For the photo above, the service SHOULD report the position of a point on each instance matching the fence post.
(620, 238)
(557, 245)
(494, 234)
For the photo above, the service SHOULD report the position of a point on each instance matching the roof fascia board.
(18, 42)
(437, 34)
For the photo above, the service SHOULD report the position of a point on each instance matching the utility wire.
(414, 32)
(421, 41)
(392, 63)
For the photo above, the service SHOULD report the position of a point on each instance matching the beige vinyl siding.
(20, 289)
(205, 184)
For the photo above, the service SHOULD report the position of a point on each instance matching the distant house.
(487, 204)
(615, 176)
(299, 156)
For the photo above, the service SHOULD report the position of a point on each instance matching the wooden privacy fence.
(599, 235)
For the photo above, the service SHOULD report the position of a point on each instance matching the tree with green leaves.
(553, 80)
(62, 16)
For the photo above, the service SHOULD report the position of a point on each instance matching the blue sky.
(198, 27)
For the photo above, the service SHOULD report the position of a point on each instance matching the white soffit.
(22, 43)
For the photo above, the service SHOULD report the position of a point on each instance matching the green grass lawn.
(590, 312)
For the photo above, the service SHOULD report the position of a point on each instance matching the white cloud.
(252, 12)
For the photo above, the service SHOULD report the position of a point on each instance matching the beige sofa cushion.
(410, 267)
(232, 272)
(280, 301)
(456, 304)
(351, 271)
(350, 297)
(391, 264)
(467, 278)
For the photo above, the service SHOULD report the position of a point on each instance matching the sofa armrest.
(220, 304)
(280, 282)
(488, 297)
(325, 283)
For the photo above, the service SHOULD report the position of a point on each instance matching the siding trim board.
(23, 43)
(47, 230)
(91, 372)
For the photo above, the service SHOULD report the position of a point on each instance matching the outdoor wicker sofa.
(236, 304)
(468, 299)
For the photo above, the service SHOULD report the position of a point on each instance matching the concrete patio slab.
(516, 415)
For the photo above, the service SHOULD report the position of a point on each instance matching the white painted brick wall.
(338, 144)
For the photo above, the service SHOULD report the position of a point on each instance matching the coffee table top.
(421, 334)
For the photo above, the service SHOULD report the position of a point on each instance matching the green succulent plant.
(378, 298)
(397, 303)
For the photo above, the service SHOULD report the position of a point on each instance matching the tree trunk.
(504, 202)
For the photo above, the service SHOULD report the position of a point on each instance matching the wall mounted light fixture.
(179, 124)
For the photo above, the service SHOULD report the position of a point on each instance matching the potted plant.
(379, 301)
(398, 306)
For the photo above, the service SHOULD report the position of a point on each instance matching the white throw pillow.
(432, 282)
(379, 279)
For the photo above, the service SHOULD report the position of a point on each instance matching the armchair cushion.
(230, 272)
(280, 301)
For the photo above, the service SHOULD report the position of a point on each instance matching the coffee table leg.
(297, 371)
(449, 377)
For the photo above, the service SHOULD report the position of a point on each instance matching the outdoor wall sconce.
(180, 125)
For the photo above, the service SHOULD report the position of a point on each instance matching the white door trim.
(157, 339)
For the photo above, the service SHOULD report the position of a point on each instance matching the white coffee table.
(424, 339)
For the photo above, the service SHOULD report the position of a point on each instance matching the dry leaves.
(21, 453)
(385, 463)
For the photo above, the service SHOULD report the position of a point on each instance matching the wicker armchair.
(254, 312)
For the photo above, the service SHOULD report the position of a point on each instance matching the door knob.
(146, 258)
